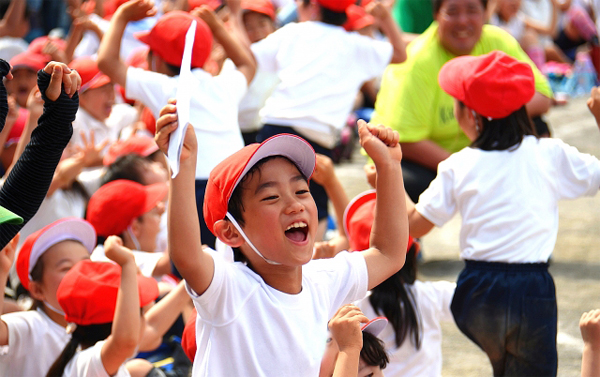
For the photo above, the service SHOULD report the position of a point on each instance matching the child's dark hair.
(236, 207)
(129, 166)
(373, 351)
(392, 300)
(173, 69)
(504, 133)
(437, 4)
(84, 336)
(330, 17)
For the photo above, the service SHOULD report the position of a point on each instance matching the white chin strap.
(134, 239)
(55, 310)
(239, 228)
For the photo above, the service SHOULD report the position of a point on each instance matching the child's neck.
(282, 278)
(54, 316)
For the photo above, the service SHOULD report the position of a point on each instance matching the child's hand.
(116, 252)
(323, 170)
(378, 9)
(589, 324)
(35, 104)
(380, 142)
(136, 10)
(61, 76)
(56, 54)
(345, 327)
(7, 255)
(371, 174)
(166, 124)
(90, 153)
(207, 15)
(594, 104)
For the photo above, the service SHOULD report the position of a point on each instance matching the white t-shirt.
(260, 89)
(321, 68)
(88, 363)
(508, 199)
(246, 328)
(213, 109)
(432, 301)
(145, 261)
(515, 26)
(34, 343)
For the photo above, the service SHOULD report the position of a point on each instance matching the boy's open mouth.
(297, 232)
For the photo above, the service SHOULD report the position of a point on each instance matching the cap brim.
(360, 200)
(7, 217)
(451, 76)
(143, 36)
(293, 147)
(63, 230)
(375, 326)
(154, 194)
(147, 290)
(98, 82)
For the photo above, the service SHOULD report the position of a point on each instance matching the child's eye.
(301, 192)
(272, 197)
(329, 339)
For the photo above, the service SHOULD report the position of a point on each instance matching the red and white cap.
(69, 228)
(358, 18)
(339, 6)
(29, 59)
(142, 145)
(91, 76)
(225, 177)
(259, 6)
(375, 326)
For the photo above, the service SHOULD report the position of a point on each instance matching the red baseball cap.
(336, 5)
(225, 177)
(37, 45)
(358, 221)
(167, 38)
(69, 228)
(116, 204)
(259, 6)
(28, 59)
(212, 4)
(138, 58)
(142, 145)
(358, 18)
(91, 76)
(494, 85)
(188, 337)
(88, 292)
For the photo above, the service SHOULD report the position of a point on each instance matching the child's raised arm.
(390, 29)
(109, 58)
(238, 52)
(7, 256)
(185, 246)
(389, 235)
(345, 328)
(589, 324)
(125, 333)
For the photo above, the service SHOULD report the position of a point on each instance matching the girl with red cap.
(506, 186)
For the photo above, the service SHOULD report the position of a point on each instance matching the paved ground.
(575, 263)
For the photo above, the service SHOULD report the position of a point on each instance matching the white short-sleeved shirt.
(432, 301)
(508, 199)
(27, 332)
(321, 68)
(246, 328)
(88, 363)
(213, 109)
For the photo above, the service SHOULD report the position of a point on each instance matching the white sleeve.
(148, 88)
(265, 51)
(579, 173)
(373, 55)
(438, 203)
(234, 83)
(208, 303)
(146, 262)
(444, 291)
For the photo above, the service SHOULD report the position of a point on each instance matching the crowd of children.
(109, 251)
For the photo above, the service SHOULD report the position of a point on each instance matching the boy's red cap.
(29, 60)
(358, 18)
(494, 85)
(88, 292)
(142, 145)
(212, 4)
(37, 45)
(167, 38)
(69, 228)
(336, 5)
(91, 76)
(259, 6)
(225, 177)
(116, 204)
(358, 221)
(188, 338)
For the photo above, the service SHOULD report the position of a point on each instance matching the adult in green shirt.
(411, 101)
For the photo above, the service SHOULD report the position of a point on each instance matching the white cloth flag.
(184, 95)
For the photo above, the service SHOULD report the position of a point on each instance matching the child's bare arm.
(13, 16)
(125, 332)
(239, 53)
(7, 256)
(593, 104)
(389, 235)
(345, 330)
(390, 29)
(161, 316)
(185, 246)
(109, 60)
(325, 176)
(589, 324)
(417, 224)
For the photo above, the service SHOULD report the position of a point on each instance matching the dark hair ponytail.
(395, 302)
(86, 336)
(505, 133)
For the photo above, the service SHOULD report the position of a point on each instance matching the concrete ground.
(575, 262)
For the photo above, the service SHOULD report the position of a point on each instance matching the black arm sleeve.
(4, 69)
(28, 182)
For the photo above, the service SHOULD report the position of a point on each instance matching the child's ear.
(227, 233)
(35, 291)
